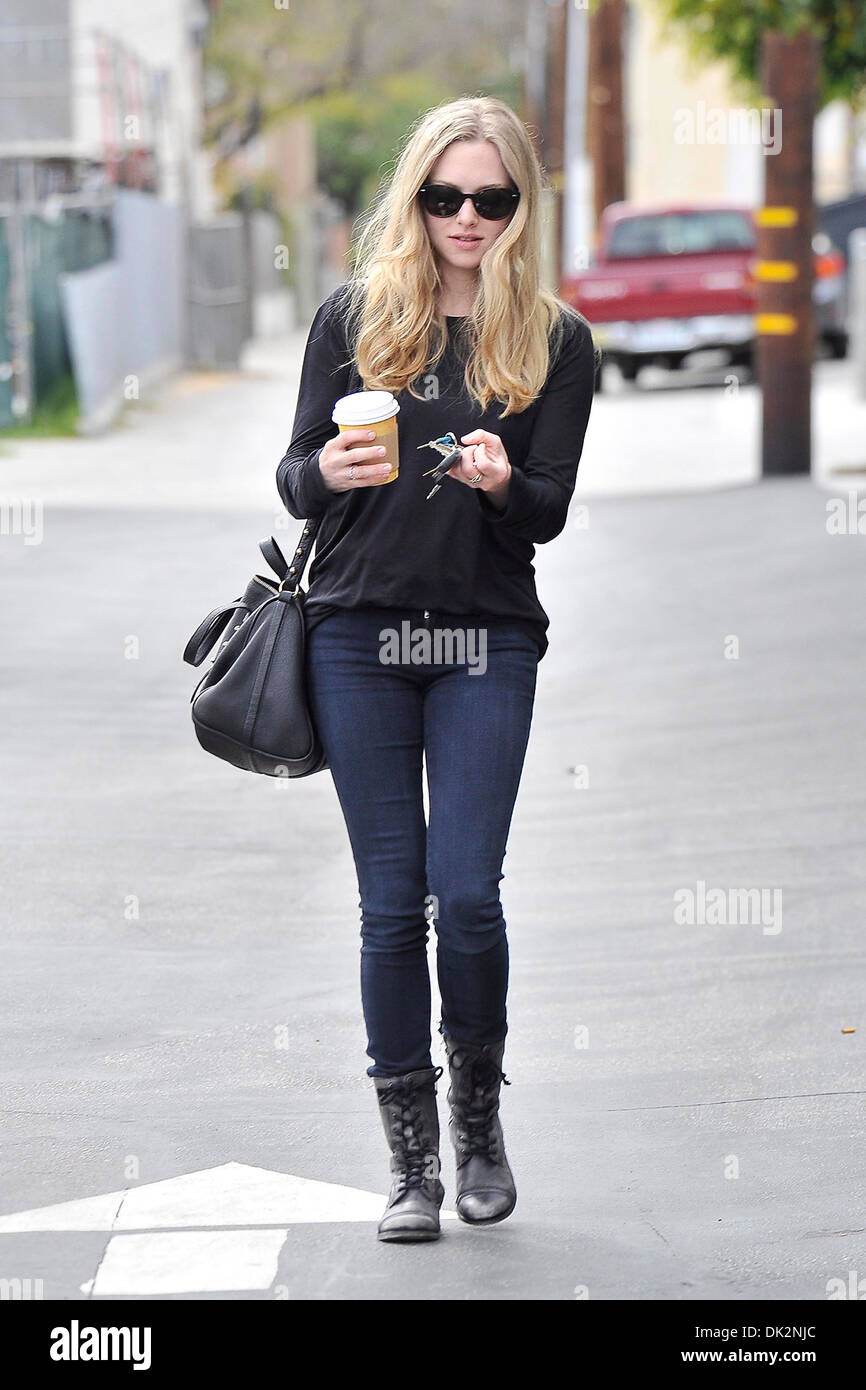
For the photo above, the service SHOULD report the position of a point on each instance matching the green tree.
(733, 29)
(359, 133)
(364, 70)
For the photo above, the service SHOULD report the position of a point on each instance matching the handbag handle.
(214, 624)
(207, 633)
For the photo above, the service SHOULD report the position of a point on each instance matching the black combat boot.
(485, 1183)
(410, 1119)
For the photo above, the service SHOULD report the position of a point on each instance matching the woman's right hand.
(353, 447)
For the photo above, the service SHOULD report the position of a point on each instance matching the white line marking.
(234, 1194)
(189, 1262)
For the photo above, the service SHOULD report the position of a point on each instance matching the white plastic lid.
(365, 408)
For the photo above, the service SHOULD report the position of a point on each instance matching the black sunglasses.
(444, 200)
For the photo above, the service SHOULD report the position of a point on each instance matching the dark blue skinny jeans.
(469, 718)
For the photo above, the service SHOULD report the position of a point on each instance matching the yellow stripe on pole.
(775, 323)
(775, 270)
(777, 217)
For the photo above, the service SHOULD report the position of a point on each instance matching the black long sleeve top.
(455, 554)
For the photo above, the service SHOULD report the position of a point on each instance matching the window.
(681, 234)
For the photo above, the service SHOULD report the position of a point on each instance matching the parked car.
(669, 281)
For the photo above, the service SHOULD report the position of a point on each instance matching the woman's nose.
(467, 217)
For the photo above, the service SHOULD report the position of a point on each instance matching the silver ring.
(477, 479)
(352, 471)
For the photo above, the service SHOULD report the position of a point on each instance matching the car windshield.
(680, 234)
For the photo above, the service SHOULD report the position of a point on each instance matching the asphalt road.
(183, 1053)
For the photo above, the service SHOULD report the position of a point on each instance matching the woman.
(446, 311)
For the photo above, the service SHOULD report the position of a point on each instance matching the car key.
(451, 453)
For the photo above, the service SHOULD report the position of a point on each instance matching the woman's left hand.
(485, 454)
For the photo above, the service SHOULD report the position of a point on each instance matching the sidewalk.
(212, 440)
(181, 1022)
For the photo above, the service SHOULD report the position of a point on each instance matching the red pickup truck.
(669, 281)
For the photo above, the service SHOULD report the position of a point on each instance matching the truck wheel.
(628, 368)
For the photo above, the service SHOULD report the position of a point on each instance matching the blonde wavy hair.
(396, 332)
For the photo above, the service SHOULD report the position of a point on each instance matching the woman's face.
(462, 240)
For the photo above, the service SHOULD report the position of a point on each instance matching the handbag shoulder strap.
(277, 560)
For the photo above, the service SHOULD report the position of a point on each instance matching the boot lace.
(478, 1112)
(407, 1130)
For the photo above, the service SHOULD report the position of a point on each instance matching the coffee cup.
(374, 410)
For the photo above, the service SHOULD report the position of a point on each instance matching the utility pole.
(554, 133)
(577, 220)
(18, 319)
(535, 75)
(785, 320)
(857, 278)
(545, 115)
(605, 116)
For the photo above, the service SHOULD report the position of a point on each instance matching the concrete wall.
(663, 82)
(123, 319)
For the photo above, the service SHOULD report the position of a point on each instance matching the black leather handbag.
(251, 706)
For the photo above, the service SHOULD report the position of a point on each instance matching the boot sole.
(407, 1237)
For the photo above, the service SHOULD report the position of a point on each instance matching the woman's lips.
(466, 241)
